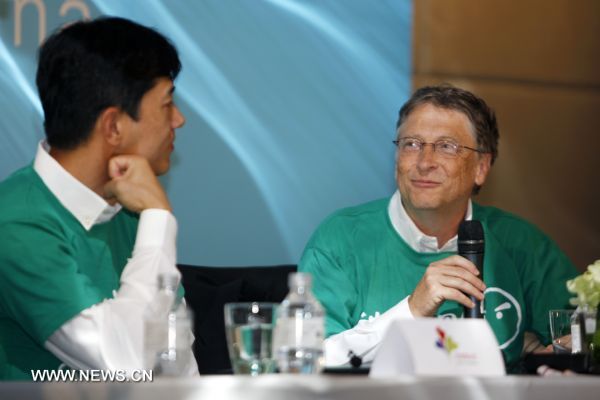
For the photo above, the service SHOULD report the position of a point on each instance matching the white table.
(289, 387)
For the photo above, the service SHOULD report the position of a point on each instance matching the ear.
(110, 124)
(396, 160)
(483, 168)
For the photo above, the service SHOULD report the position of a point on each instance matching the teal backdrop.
(290, 108)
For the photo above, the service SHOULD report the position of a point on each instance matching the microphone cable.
(356, 360)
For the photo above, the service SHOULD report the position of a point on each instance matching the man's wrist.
(412, 309)
(157, 228)
(158, 204)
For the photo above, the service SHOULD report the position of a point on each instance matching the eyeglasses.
(446, 148)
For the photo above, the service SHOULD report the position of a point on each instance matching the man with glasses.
(396, 258)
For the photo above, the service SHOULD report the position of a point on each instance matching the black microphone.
(471, 246)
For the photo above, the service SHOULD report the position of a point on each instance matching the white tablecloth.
(289, 387)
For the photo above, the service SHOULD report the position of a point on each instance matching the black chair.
(207, 289)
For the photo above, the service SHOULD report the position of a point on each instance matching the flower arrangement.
(587, 287)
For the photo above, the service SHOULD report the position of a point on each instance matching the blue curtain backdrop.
(290, 109)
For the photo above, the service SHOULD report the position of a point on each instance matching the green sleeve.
(332, 287)
(40, 284)
(544, 276)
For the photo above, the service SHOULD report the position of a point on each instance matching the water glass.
(249, 329)
(560, 330)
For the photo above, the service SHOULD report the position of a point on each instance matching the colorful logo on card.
(444, 341)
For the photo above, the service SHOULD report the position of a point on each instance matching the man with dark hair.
(86, 230)
(396, 258)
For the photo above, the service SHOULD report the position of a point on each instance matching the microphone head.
(470, 237)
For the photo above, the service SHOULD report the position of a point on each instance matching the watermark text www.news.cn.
(90, 375)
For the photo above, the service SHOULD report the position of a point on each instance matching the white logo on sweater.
(508, 310)
(364, 316)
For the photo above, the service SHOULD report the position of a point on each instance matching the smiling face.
(428, 181)
(153, 134)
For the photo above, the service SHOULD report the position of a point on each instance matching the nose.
(177, 119)
(426, 159)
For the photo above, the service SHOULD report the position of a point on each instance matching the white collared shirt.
(109, 335)
(364, 338)
(412, 235)
(87, 207)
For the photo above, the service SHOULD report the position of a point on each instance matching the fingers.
(134, 185)
(544, 350)
(457, 277)
(118, 166)
(546, 371)
(468, 285)
(458, 261)
(457, 296)
(450, 285)
(564, 341)
(453, 278)
(110, 190)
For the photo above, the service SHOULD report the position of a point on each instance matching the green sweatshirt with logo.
(361, 266)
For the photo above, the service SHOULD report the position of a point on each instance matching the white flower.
(586, 286)
(595, 271)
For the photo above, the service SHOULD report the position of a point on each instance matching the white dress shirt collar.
(87, 207)
(412, 235)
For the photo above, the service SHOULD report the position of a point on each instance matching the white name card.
(439, 347)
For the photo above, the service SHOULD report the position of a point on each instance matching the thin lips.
(425, 182)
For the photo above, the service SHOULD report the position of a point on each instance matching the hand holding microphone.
(454, 278)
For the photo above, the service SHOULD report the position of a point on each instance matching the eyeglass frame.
(435, 144)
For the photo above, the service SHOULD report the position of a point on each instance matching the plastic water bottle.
(299, 330)
(167, 330)
(583, 326)
(577, 335)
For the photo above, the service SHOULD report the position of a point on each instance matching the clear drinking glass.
(249, 329)
(560, 330)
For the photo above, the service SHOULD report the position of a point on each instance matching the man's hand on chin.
(134, 185)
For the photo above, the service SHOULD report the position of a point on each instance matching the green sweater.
(361, 266)
(51, 269)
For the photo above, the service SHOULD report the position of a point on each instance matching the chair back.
(208, 289)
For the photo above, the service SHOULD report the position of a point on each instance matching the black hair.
(89, 66)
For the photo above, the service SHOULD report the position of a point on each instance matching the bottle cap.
(297, 279)
(168, 280)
